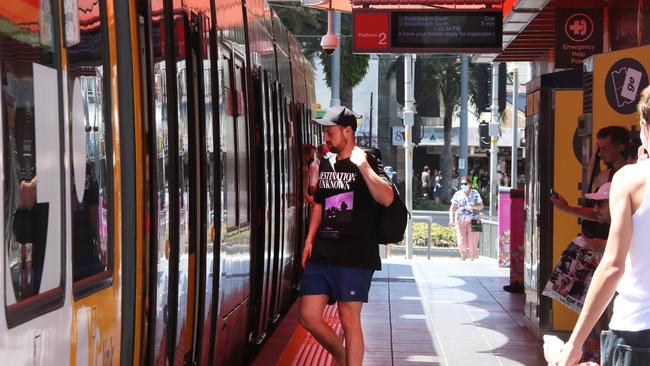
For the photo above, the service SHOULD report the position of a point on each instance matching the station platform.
(425, 312)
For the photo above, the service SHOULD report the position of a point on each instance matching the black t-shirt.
(347, 234)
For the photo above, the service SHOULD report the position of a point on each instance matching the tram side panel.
(35, 272)
(96, 174)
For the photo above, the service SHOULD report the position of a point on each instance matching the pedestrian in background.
(465, 205)
(426, 182)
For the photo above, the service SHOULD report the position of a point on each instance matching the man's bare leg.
(350, 315)
(311, 317)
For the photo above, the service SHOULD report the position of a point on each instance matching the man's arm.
(586, 213)
(314, 223)
(380, 190)
(582, 212)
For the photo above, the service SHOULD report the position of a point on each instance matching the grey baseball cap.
(338, 116)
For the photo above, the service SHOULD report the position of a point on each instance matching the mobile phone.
(554, 194)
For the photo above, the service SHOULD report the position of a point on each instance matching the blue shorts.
(339, 283)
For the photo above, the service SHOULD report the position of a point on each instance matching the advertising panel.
(619, 78)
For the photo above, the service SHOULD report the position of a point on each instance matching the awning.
(346, 5)
(529, 29)
(340, 5)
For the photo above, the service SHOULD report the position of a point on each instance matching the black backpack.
(391, 220)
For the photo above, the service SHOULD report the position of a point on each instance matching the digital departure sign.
(427, 31)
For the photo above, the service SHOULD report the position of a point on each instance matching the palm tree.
(441, 74)
(307, 25)
(353, 70)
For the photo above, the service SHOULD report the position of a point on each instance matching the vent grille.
(588, 87)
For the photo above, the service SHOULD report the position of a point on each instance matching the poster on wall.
(572, 275)
(579, 34)
(625, 80)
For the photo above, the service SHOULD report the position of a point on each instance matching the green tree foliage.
(441, 74)
(353, 69)
(308, 25)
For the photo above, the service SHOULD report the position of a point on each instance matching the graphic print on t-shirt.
(338, 212)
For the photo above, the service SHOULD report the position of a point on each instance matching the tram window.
(161, 176)
(162, 159)
(209, 146)
(228, 121)
(92, 196)
(183, 158)
(32, 170)
(242, 151)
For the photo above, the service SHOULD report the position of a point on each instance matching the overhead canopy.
(340, 5)
(346, 5)
(529, 31)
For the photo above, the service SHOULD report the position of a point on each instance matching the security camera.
(329, 42)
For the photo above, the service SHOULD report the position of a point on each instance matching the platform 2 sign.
(426, 31)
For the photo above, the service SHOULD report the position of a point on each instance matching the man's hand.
(358, 156)
(309, 199)
(27, 194)
(559, 202)
(306, 253)
(452, 223)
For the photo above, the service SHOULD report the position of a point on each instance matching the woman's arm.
(452, 214)
(609, 272)
(479, 205)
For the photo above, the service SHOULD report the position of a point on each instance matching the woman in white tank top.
(625, 268)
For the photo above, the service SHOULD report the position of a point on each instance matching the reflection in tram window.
(210, 159)
(162, 159)
(230, 168)
(160, 184)
(24, 47)
(183, 159)
(183, 195)
(242, 152)
(91, 191)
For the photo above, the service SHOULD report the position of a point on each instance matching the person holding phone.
(612, 142)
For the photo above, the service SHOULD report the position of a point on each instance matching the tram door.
(177, 111)
(263, 250)
(210, 188)
(235, 247)
(276, 203)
